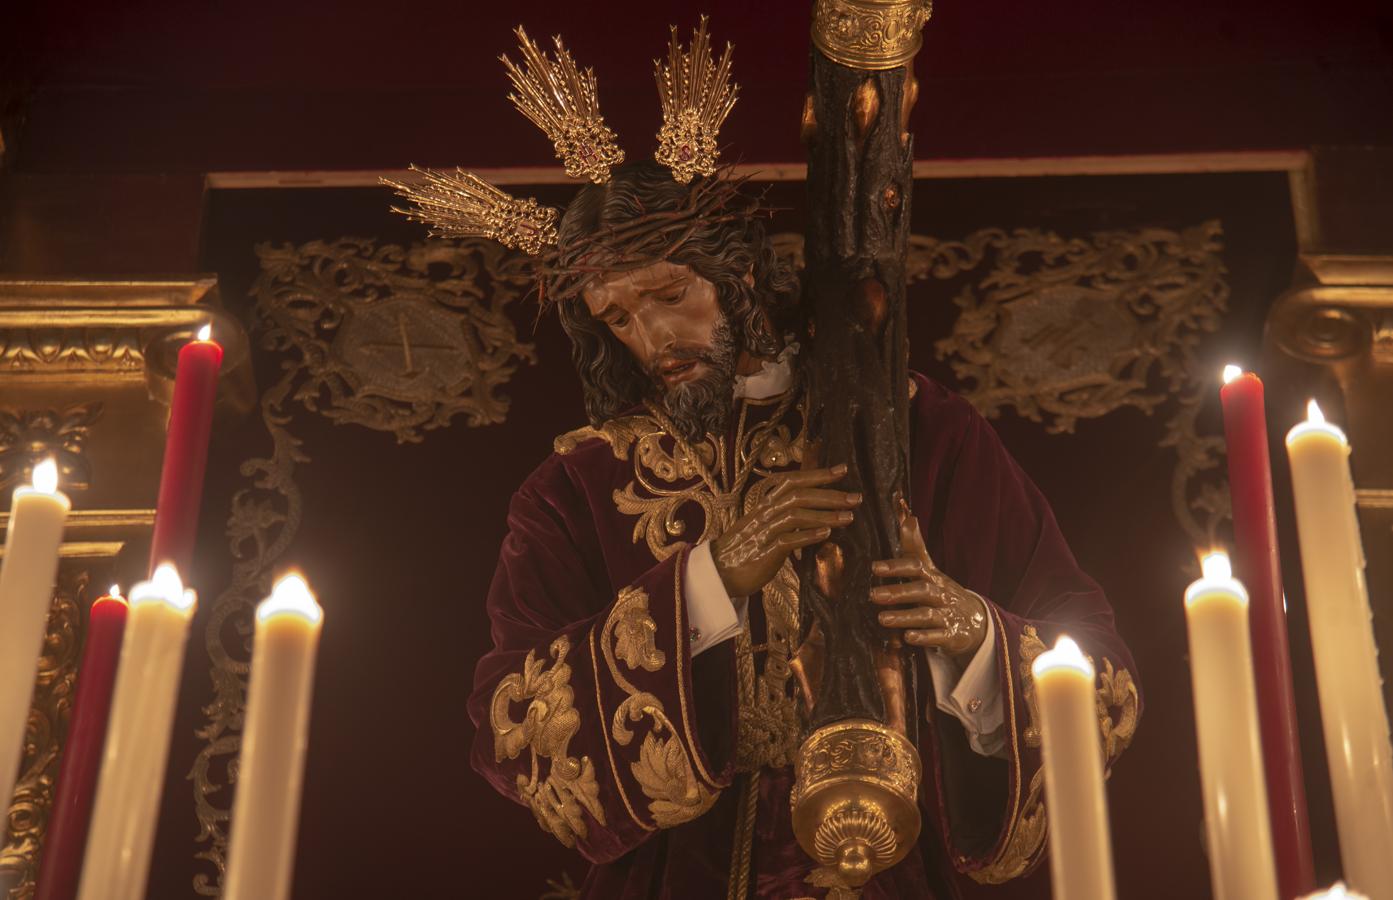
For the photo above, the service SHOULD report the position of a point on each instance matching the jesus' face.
(670, 319)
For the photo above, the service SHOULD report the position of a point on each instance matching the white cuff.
(711, 614)
(973, 695)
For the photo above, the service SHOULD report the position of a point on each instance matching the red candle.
(1257, 565)
(186, 453)
(61, 860)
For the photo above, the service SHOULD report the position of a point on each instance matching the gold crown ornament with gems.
(560, 98)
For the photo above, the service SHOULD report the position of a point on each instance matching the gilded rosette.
(854, 801)
(697, 95)
(870, 34)
(561, 100)
(464, 205)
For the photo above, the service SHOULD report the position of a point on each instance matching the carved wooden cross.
(860, 155)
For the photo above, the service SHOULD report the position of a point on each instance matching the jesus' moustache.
(681, 354)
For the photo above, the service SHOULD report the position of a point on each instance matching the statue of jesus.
(651, 676)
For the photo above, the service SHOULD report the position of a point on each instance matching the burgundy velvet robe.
(592, 712)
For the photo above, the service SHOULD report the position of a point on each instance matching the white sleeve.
(973, 695)
(711, 614)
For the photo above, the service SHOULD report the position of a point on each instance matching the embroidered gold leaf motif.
(677, 465)
(781, 450)
(547, 727)
(620, 433)
(635, 630)
(665, 774)
(664, 767)
(1031, 647)
(1116, 689)
(1026, 842)
(658, 522)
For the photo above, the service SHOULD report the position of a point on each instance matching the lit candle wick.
(206, 332)
(1065, 655)
(114, 591)
(164, 586)
(1313, 413)
(46, 476)
(292, 596)
(1231, 372)
(1216, 566)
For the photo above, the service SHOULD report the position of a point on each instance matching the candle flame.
(1231, 372)
(1313, 413)
(291, 596)
(165, 586)
(1337, 891)
(1065, 655)
(46, 476)
(114, 591)
(167, 579)
(1216, 566)
(206, 332)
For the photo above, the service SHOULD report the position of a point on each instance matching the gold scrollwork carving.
(72, 350)
(664, 768)
(28, 437)
(548, 726)
(870, 34)
(464, 287)
(398, 339)
(28, 811)
(1061, 329)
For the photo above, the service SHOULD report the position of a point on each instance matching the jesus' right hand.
(796, 512)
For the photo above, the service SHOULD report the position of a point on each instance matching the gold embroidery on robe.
(664, 768)
(1025, 839)
(1116, 690)
(670, 475)
(618, 432)
(548, 726)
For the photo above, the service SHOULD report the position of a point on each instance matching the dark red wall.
(164, 85)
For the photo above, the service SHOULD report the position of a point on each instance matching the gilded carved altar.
(87, 366)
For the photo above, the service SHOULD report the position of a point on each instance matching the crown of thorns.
(560, 99)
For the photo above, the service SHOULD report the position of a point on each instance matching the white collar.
(772, 379)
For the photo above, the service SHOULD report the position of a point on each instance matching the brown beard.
(702, 406)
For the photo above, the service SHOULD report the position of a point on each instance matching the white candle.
(26, 592)
(261, 852)
(1072, 752)
(1241, 863)
(1337, 891)
(1347, 673)
(126, 808)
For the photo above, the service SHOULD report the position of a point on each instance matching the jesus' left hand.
(934, 610)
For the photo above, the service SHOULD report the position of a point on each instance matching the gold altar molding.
(996, 167)
(86, 368)
(1331, 336)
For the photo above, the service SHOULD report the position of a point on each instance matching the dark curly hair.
(722, 252)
